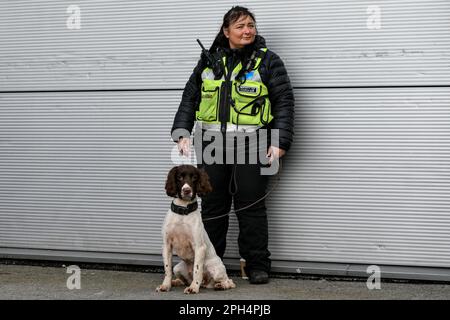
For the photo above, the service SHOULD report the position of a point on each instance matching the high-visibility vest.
(236, 101)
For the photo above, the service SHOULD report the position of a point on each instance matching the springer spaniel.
(183, 232)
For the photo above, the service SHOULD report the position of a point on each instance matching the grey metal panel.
(366, 181)
(84, 171)
(151, 44)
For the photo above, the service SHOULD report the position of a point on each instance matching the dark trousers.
(243, 187)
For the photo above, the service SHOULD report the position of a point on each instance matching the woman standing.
(238, 87)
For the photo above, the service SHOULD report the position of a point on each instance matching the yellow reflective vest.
(236, 101)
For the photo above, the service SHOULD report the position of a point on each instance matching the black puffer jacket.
(274, 76)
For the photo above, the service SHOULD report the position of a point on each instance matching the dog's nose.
(186, 190)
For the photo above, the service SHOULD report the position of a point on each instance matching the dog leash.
(260, 199)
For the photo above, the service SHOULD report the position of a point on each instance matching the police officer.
(238, 86)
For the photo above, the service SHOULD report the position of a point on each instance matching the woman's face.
(241, 33)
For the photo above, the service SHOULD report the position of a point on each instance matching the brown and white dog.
(184, 233)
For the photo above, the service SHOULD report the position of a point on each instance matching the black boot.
(258, 277)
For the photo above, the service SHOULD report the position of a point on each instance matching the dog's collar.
(184, 210)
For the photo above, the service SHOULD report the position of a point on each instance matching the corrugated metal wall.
(85, 117)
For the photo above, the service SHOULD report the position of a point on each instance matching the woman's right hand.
(184, 147)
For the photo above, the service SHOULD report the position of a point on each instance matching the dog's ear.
(203, 185)
(171, 182)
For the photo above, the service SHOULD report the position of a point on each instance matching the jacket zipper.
(225, 98)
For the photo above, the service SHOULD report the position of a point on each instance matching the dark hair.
(233, 15)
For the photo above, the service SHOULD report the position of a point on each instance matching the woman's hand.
(275, 153)
(184, 147)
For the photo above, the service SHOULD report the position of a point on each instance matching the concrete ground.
(50, 282)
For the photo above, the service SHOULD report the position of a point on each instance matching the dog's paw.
(232, 284)
(219, 286)
(162, 288)
(224, 285)
(190, 290)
